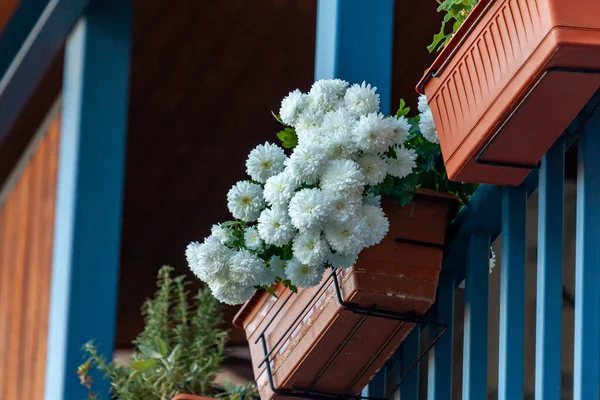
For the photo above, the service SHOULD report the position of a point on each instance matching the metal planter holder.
(366, 312)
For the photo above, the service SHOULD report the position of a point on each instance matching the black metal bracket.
(421, 243)
(366, 312)
(478, 159)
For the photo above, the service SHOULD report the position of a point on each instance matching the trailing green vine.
(456, 12)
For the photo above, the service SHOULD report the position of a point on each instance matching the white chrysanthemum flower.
(247, 269)
(337, 131)
(374, 168)
(427, 127)
(347, 237)
(229, 292)
(225, 235)
(309, 209)
(280, 188)
(310, 248)
(345, 206)
(265, 161)
(362, 99)
(342, 175)
(275, 227)
(245, 201)
(403, 164)
(303, 276)
(378, 225)
(252, 239)
(292, 106)
(340, 260)
(311, 118)
(400, 127)
(209, 260)
(311, 135)
(372, 200)
(306, 162)
(327, 94)
(278, 267)
(373, 134)
(423, 104)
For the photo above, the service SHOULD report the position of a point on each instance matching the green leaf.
(269, 290)
(288, 137)
(173, 356)
(143, 365)
(149, 353)
(402, 109)
(277, 117)
(161, 345)
(437, 38)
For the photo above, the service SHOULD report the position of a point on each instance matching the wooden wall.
(26, 232)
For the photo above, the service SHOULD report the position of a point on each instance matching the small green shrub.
(180, 350)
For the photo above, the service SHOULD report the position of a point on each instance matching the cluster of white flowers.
(426, 124)
(311, 205)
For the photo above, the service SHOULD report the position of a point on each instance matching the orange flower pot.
(191, 397)
(315, 343)
(510, 82)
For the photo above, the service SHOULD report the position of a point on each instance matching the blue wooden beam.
(377, 386)
(85, 265)
(355, 43)
(587, 265)
(549, 274)
(512, 294)
(476, 318)
(32, 38)
(409, 354)
(439, 382)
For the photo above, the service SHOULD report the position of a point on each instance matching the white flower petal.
(304, 276)
(275, 227)
(245, 201)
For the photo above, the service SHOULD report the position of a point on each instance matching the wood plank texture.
(26, 231)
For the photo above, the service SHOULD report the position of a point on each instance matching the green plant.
(180, 350)
(429, 173)
(456, 11)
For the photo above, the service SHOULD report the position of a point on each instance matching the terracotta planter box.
(510, 82)
(317, 344)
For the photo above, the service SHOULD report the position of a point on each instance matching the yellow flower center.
(246, 200)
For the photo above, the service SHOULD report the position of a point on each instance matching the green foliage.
(288, 137)
(456, 11)
(430, 172)
(180, 350)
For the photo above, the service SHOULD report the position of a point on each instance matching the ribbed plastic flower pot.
(509, 84)
(191, 397)
(313, 342)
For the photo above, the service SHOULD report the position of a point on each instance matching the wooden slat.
(26, 230)
(15, 341)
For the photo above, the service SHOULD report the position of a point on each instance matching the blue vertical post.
(377, 386)
(476, 317)
(512, 294)
(355, 43)
(439, 382)
(85, 265)
(549, 274)
(409, 353)
(587, 265)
